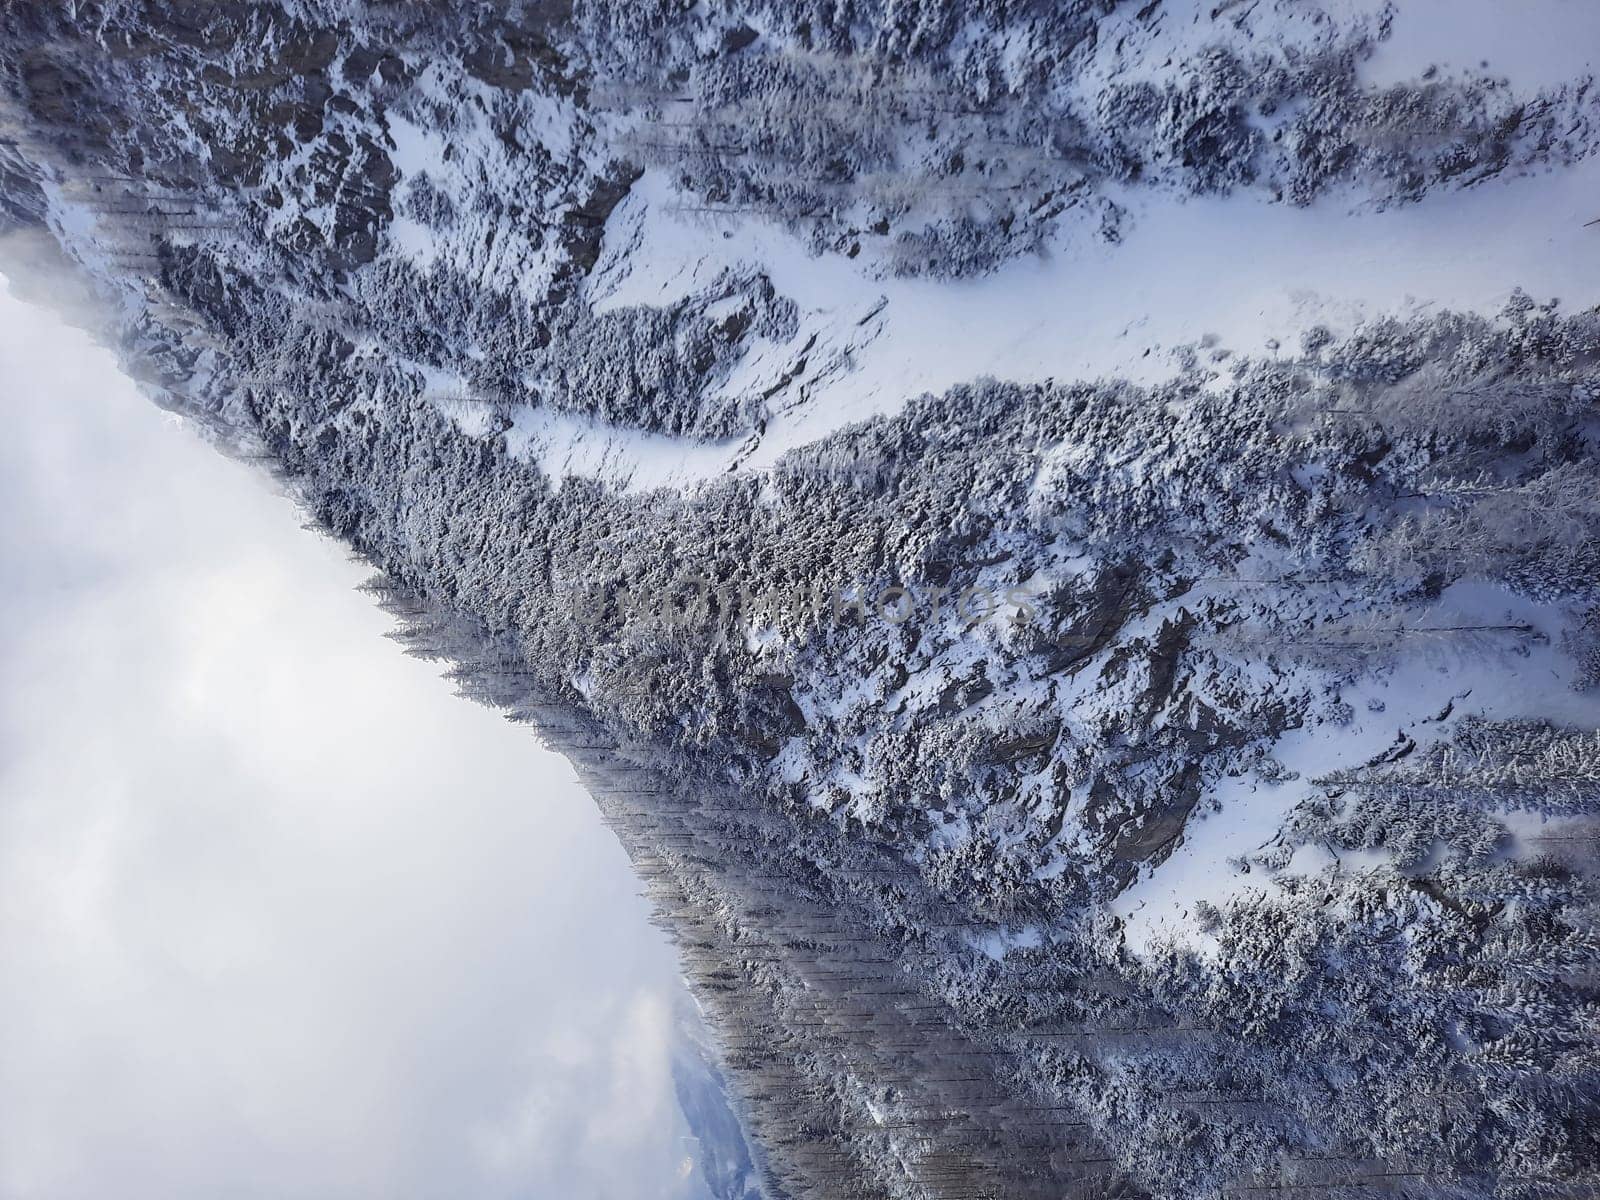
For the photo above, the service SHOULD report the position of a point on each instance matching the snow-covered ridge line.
(1220, 277)
(1215, 342)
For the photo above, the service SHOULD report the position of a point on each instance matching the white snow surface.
(570, 444)
(1529, 43)
(1236, 271)
(1495, 678)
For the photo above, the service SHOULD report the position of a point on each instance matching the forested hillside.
(1061, 536)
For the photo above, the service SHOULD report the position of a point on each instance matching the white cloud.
(279, 916)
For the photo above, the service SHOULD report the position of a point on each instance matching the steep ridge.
(1171, 770)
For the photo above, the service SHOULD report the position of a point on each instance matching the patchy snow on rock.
(1499, 674)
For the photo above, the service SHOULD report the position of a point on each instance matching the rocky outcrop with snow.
(1061, 536)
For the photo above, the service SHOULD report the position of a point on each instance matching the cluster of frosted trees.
(886, 848)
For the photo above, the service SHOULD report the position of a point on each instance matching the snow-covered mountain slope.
(1060, 535)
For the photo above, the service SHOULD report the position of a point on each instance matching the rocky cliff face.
(1045, 527)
